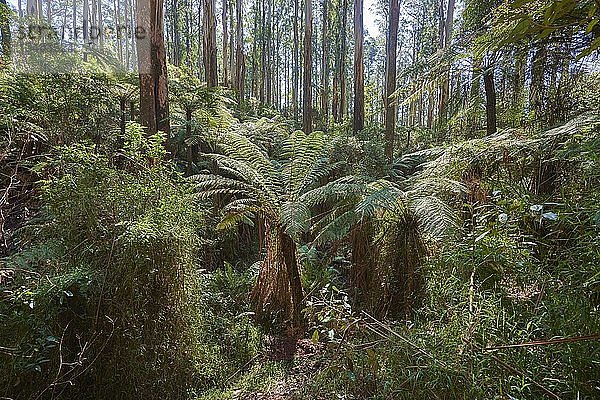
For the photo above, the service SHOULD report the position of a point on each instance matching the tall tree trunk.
(86, 28)
(210, 43)
(307, 81)
(86, 22)
(325, 66)
(490, 100)
(359, 83)
(295, 64)
(5, 31)
(100, 25)
(224, 7)
(538, 69)
(445, 87)
(33, 9)
(176, 34)
(152, 66)
(342, 72)
(73, 18)
(240, 59)
(390, 78)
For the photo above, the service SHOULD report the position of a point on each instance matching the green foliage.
(116, 279)
(540, 19)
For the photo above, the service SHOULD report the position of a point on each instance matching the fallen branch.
(514, 370)
(544, 342)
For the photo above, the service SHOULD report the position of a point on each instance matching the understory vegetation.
(123, 278)
(212, 242)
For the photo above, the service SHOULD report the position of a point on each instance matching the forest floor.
(302, 358)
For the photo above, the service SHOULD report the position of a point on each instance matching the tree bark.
(224, 6)
(5, 31)
(240, 59)
(278, 287)
(343, 105)
(490, 100)
(390, 78)
(295, 66)
(307, 82)
(325, 67)
(538, 69)
(445, 42)
(359, 83)
(210, 43)
(152, 66)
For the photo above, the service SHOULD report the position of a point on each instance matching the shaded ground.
(305, 360)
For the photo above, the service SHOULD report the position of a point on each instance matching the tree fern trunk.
(277, 294)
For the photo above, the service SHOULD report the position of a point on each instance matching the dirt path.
(306, 359)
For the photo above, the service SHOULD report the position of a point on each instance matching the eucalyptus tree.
(390, 77)
(307, 79)
(152, 66)
(5, 31)
(359, 73)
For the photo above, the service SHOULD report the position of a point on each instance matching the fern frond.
(295, 217)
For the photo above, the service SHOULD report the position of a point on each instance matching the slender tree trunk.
(5, 31)
(359, 83)
(390, 78)
(307, 82)
(490, 100)
(262, 53)
(342, 72)
(240, 58)
(538, 69)
(325, 66)
(100, 25)
(94, 37)
(224, 7)
(295, 66)
(176, 34)
(210, 43)
(86, 22)
(74, 20)
(445, 87)
(152, 66)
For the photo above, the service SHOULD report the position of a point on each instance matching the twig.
(240, 369)
(514, 370)
(405, 340)
(544, 342)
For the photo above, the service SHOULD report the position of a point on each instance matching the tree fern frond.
(382, 196)
(295, 217)
(336, 228)
(435, 216)
(336, 191)
(232, 219)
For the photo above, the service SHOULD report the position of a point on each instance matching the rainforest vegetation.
(299, 199)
